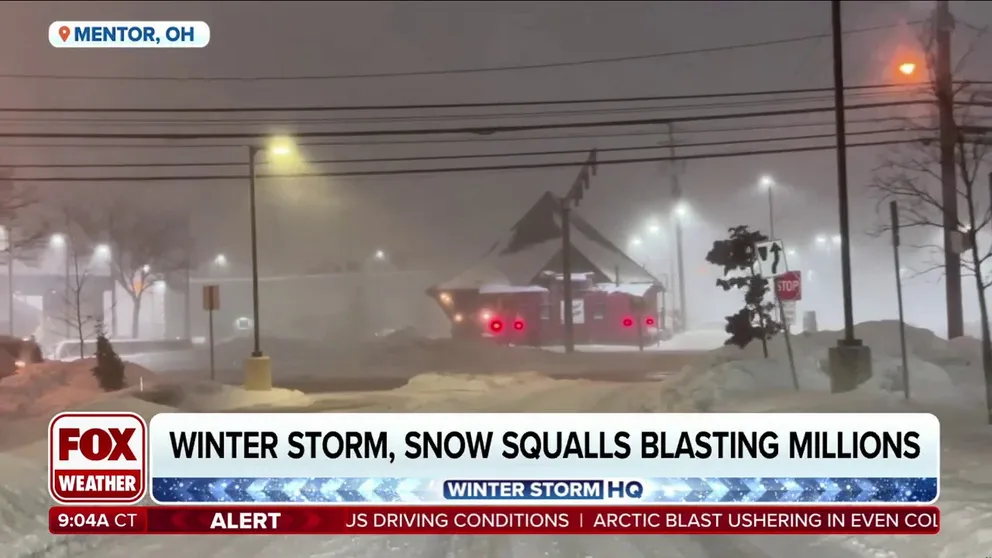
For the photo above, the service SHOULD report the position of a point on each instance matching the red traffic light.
(496, 325)
(518, 325)
(628, 322)
(649, 321)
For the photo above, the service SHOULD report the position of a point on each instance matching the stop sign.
(789, 286)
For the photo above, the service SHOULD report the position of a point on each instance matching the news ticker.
(492, 520)
(433, 458)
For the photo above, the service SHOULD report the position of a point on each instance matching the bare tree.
(911, 176)
(24, 231)
(147, 244)
(81, 316)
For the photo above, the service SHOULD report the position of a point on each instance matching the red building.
(514, 294)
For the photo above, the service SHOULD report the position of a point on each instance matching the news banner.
(459, 474)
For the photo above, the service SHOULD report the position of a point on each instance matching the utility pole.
(566, 274)
(187, 288)
(10, 281)
(677, 207)
(944, 24)
(850, 360)
(570, 200)
(771, 214)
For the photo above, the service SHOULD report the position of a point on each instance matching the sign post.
(894, 214)
(773, 266)
(211, 303)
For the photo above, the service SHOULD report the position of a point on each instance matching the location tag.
(64, 33)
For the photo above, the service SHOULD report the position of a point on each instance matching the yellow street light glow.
(907, 68)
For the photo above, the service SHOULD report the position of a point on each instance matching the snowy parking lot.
(943, 377)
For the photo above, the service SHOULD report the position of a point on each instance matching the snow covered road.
(467, 547)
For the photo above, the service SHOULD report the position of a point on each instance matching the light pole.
(768, 184)
(104, 252)
(850, 360)
(680, 211)
(257, 346)
(258, 372)
(58, 241)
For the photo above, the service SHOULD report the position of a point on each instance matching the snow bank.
(205, 396)
(49, 387)
(434, 382)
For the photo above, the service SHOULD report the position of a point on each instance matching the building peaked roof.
(533, 245)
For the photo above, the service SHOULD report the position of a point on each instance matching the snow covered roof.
(506, 289)
(533, 245)
(632, 289)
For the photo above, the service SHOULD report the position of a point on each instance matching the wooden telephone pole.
(568, 202)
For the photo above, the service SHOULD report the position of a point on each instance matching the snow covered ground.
(942, 380)
(695, 340)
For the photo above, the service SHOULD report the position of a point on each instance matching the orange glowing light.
(907, 68)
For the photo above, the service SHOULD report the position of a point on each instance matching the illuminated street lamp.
(220, 260)
(635, 241)
(102, 251)
(768, 184)
(907, 68)
(681, 210)
(57, 240)
(654, 228)
(380, 255)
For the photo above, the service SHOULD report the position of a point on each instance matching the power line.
(447, 170)
(308, 121)
(567, 64)
(439, 106)
(448, 157)
(320, 143)
(479, 130)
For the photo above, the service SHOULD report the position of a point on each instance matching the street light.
(821, 239)
(907, 68)
(654, 228)
(836, 239)
(380, 255)
(220, 260)
(57, 240)
(635, 241)
(102, 251)
(279, 148)
(768, 184)
(681, 210)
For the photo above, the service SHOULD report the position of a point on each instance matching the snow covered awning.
(510, 289)
(632, 289)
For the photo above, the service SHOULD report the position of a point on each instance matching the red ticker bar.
(495, 520)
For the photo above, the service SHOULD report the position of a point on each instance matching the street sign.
(211, 303)
(211, 297)
(578, 311)
(789, 286)
(771, 258)
(789, 312)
